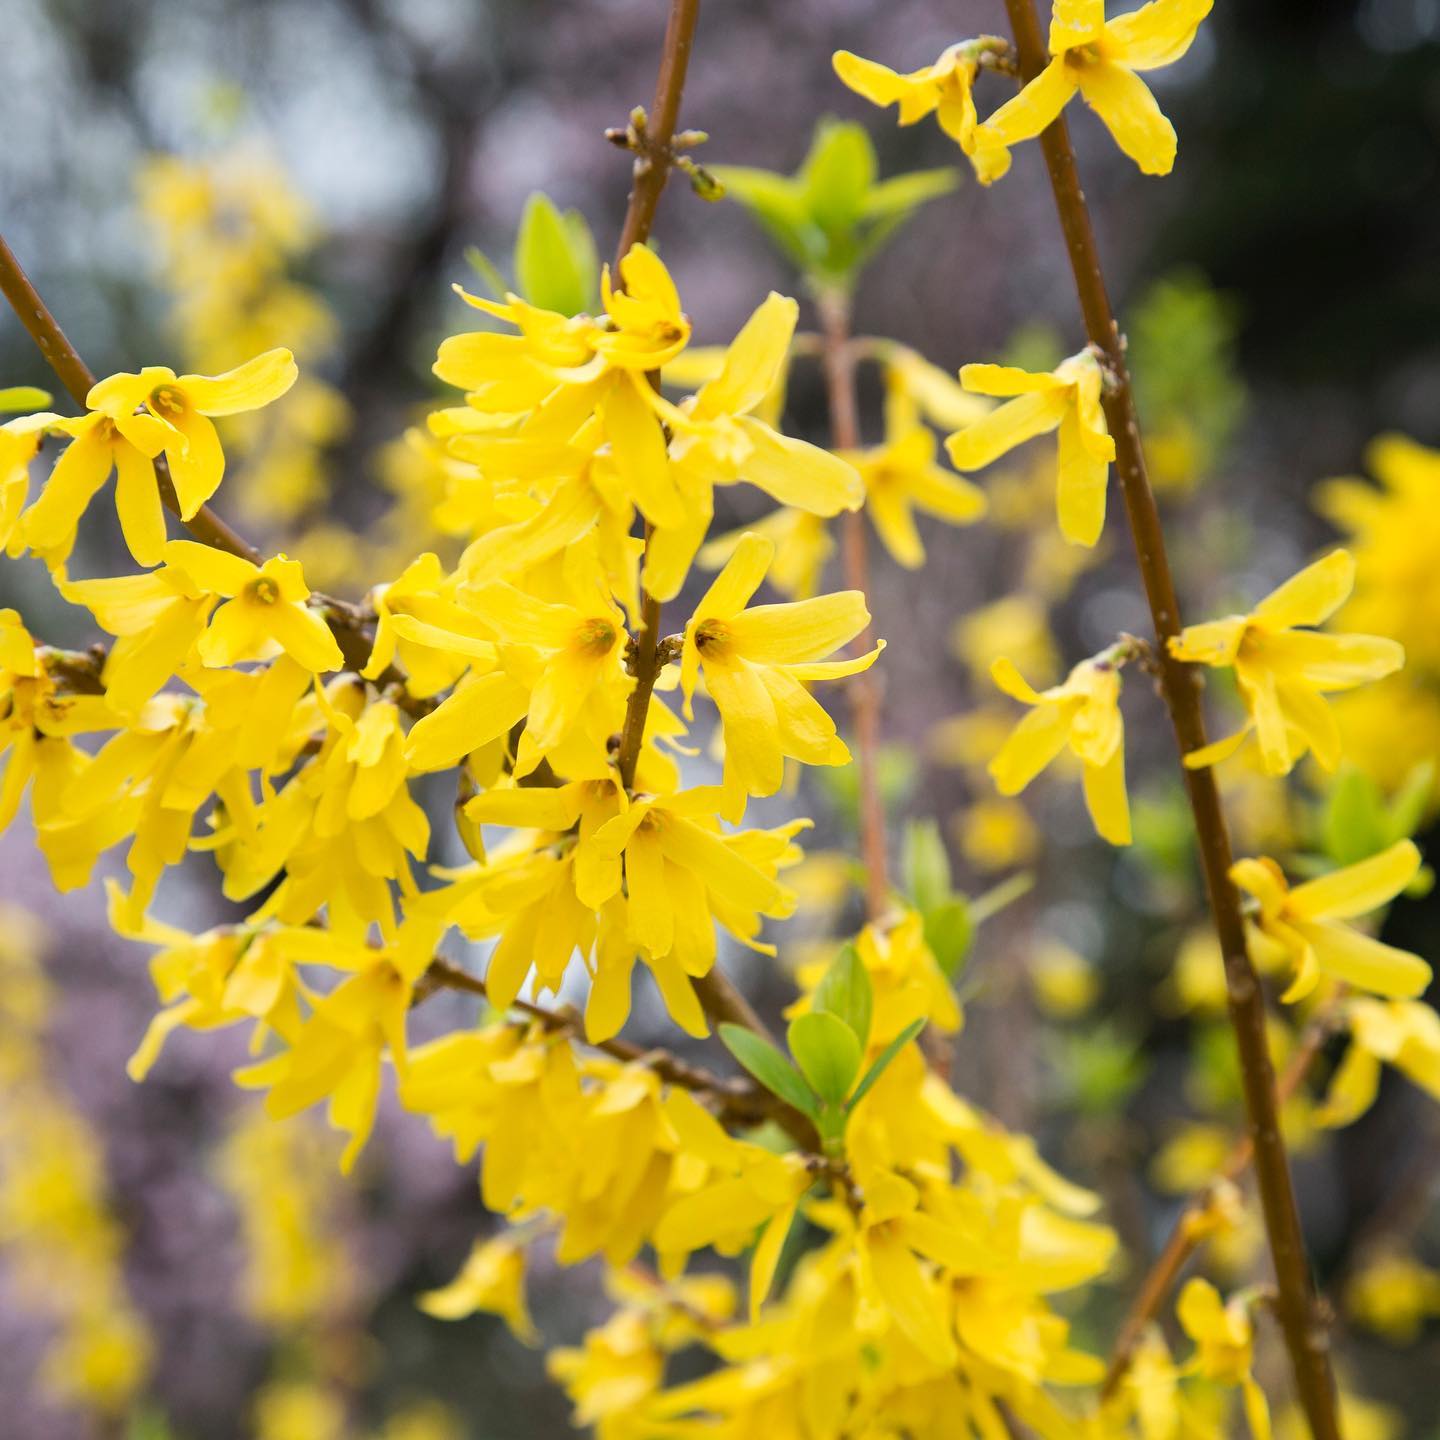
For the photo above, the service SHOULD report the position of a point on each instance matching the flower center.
(711, 636)
(595, 637)
(264, 591)
(166, 400)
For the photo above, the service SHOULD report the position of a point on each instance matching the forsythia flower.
(1283, 672)
(154, 411)
(754, 661)
(1101, 60)
(264, 613)
(1307, 922)
(1224, 1347)
(901, 476)
(492, 1279)
(1402, 1033)
(1083, 712)
(946, 87)
(1067, 399)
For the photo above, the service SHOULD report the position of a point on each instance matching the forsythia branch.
(1296, 1305)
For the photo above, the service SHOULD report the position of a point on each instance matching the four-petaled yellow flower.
(1067, 399)
(264, 611)
(1283, 672)
(1224, 1346)
(157, 410)
(901, 476)
(1102, 60)
(755, 662)
(946, 87)
(1083, 713)
(1307, 923)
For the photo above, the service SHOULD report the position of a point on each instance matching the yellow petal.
(1130, 112)
(1310, 596)
(796, 473)
(1217, 750)
(1156, 34)
(1365, 963)
(875, 82)
(754, 360)
(1006, 427)
(638, 442)
(305, 637)
(1106, 800)
(137, 502)
(1032, 745)
(247, 387)
(767, 1257)
(800, 630)
(912, 1303)
(214, 571)
(1029, 112)
(1353, 1089)
(197, 467)
(1009, 679)
(1358, 889)
(1075, 22)
(1081, 484)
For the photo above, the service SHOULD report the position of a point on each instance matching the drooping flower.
(1307, 923)
(1082, 713)
(946, 88)
(1284, 672)
(1067, 399)
(755, 660)
(1224, 1339)
(265, 610)
(1103, 61)
(156, 410)
(901, 476)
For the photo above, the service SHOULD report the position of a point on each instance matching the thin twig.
(1296, 1305)
(839, 363)
(1188, 1233)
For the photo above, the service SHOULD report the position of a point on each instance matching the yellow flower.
(1402, 1033)
(492, 1279)
(157, 410)
(1067, 399)
(802, 546)
(1394, 1295)
(1283, 672)
(1082, 713)
(264, 613)
(1102, 61)
(901, 476)
(755, 661)
(945, 87)
(1307, 922)
(1224, 1339)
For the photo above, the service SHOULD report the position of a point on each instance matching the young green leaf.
(24, 397)
(778, 207)
(883, 1060)
(548, 270)
(827, 1052)
(948, 932)
(769, 1067)
(837, 174)
(484, 267)
(924, 865)
(845, 992)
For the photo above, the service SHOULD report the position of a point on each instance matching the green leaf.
(845, 992)
(1355, 824)
(769, 1067)
(901, 195)
(484, 267)
(778, 206)
(582, 247)
(883, 1060)
(550, 271)
(828, 1053)
(1407, 808)
(24, 397)
(948, 932)
(837, 174)
(925, 865)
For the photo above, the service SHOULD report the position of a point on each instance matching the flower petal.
(247, 387)
(1358, 889)
(1131, 114)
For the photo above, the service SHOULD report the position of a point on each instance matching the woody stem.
(1297, 1305)
(838, 356)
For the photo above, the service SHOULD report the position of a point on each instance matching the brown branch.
(1188, 1233)
(1296, 1304)
(650, 172)
(838, 356)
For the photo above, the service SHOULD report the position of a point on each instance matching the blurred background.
(1282, 298)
